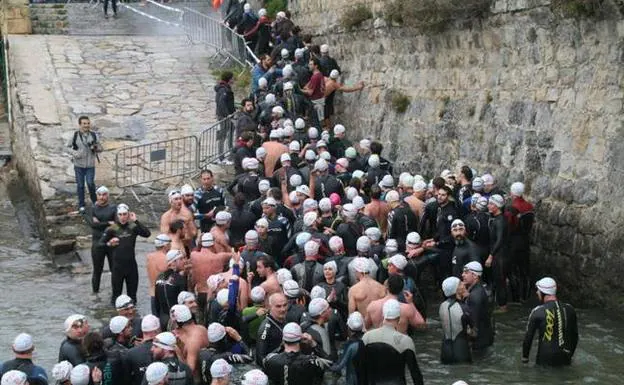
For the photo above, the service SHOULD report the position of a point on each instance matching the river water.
(36, 297)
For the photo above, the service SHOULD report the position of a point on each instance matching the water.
(36, 297)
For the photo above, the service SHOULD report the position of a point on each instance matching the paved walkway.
(135, 89)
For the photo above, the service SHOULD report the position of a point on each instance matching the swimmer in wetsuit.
(557, 326)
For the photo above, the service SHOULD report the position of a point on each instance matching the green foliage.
(242, 79)
(400, 102)
(356, 16)
(274, 6)
(589, 9)
(434, 14)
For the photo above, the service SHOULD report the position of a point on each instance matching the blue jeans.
(85, 174)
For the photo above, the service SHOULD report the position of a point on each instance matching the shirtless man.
(378, 209)
(219, 232)
(366, 290)
(192, 337)
(176, 234)
(416, 201)
(204, 264)
(266, 269)
(156, 264)
(179, 212)
(409, 315)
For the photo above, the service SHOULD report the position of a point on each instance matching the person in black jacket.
(169, 284)
(109, 363)
(101, 215)
(121, 237)
(245, 150)
(224, 98)
(139, 357)
(401, 219)
(270, 330)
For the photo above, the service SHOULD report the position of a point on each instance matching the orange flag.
(216, 4)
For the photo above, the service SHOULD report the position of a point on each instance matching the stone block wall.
(49, 19)
(15, 17)
(523, 94)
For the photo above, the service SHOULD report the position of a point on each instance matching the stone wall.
(15, 17)
(49, 19)
(523, 94)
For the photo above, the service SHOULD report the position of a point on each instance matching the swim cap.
(223, 217)
(517, 189)
(161, 240)
(117, 324)
(449, 286)
(317, 292)
(334, 74)
(336, 244)
(186, 189)
(320, 165)
(325, 205)
(317, 306)
(488, 179)
(309, 205)
(264, 186)
(419, 185)
(283, 275)
(123, 302)
(313, 133)
(216, 332)
(392, 246)
(299, 124)
(285, 157)
(355, 321)
(373, 161)
(150, 323)
(321, 144)
(284, 54)
(260, 153)
(350, 153)
(155, 373)
(291, 332)
(373, 233)
(399, 261)
(257, 294)
(342, 162)
(214, 281)
(391, 309)
(61, 371)
(351, 193)
(173, 255)
(80, 375)
(71, 320)
(255, 377)
(302, 238)
(339, 128)
(324, 48)
(413, 238)
(295, 180)
(387, 181)
(222, 297)
(358, 202)
(458, 223)
(363, 244)
(474, 267)
(122, 208)
(102, 190)
(547, 286)
(309, 218)
(477, 184)
(22, 343)
(311, 248)
(361, 265)
(331, 265)
(357, 174)
(497, 200)
(181, 313)
(392, 196)
(165, 341)
(294, 146)
(207, 239)
(335, 199)
(291, 289)
(185, 296)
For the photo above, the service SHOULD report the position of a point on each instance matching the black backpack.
(74, 145)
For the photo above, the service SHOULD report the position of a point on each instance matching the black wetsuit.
(269, 338)
(243, 220)
(480, 315)
(110, 364)
(558, 333)
(465, 251)
(477, 231)
(104, 214)
(394, 354)
(401, 221)
(71, 350)
(455, 321)
(168, 285)
(136, 329)
(445, 216)
(137, 360)
(293, 368)
(233, 352)
(124, 258)
(498, 249)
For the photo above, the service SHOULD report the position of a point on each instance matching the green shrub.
(434, 14)
(356, 16)
(242, 79)
(400, 102)
(274, 6)
(597, 9)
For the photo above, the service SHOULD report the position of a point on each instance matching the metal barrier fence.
(216, 141)
(201, 28)
(155, 161)
(175, 157)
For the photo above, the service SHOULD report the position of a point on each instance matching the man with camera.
(85, 148)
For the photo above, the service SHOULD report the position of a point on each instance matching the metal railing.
(171, 158)
(216, 141)
(202, 28)
(155, 161)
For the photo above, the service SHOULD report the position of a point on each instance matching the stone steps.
(49, 19)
